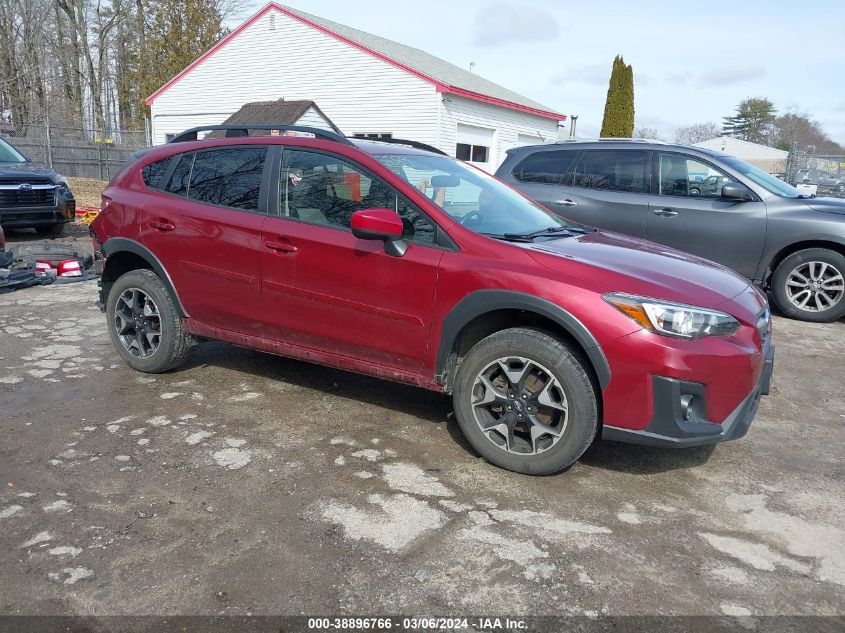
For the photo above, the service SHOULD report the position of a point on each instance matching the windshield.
(9, 154)
(476, 200)
(767, 181)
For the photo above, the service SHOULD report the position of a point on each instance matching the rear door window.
(228, 177)
(613, 170)
(549, 168)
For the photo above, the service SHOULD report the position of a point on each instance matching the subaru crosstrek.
(397, 262)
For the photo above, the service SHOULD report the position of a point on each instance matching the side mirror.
(380, 224)
(736, 191)
(445, 181)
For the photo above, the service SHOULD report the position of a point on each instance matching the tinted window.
(682, 176)
(613, 170)
(154, 172)
(178, 183)
(228, 177)
(544, 167)
(323, 189)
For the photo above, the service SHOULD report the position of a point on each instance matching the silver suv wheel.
(815, 286)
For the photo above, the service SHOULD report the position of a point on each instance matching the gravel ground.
(247, 483)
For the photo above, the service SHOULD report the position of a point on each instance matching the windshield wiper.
(509, 237)
(548, 231)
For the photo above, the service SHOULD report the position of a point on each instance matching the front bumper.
(26, 217)
(672, 426)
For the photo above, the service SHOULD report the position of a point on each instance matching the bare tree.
(697, 133)
(649, 133)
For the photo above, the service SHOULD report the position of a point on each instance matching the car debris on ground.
(42, 263)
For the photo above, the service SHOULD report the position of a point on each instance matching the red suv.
(397, 261)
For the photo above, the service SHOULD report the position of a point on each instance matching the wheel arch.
(794, 247)
(484, 312)
(124, 255)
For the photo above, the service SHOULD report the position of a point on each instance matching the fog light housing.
(686, 406)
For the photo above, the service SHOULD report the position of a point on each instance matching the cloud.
(501, 22)
(840, 107)
(733, 74)
(590, 74)
(676, 79)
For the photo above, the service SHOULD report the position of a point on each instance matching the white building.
(365, 84)
(766, 158)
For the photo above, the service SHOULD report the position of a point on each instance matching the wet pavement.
(247, 483)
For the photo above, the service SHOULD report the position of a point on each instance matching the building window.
(374, 135)
(473, 153)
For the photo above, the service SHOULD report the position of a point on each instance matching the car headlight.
(673, 319)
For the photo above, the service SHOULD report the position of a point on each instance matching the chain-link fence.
(824, 174)
(77, 152)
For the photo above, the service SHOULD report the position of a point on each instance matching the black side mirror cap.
(736, 191)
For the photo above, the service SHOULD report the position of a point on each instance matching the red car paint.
(323, 295)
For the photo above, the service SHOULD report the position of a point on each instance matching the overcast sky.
(693, 62)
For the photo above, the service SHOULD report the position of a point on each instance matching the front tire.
(144, 324)
(810, 285)
(525, 402)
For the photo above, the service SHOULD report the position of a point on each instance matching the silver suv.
(700, 201)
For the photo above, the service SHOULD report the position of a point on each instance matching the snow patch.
(412, 479)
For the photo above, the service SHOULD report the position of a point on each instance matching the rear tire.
(53, 230)
(150, 338)
(823, 270)
(538, 379)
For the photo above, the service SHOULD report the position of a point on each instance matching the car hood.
(827, 205)
(22, 170)
(619, 263)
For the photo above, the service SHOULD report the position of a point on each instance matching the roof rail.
(615, 139)
(409, 143)
(237, 130)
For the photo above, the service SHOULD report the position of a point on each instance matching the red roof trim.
(439, 85)
(467, 94)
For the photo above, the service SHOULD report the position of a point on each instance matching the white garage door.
(475, 145)
(527, 139)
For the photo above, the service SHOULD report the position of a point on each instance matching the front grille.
(37, 196)
(24, 180)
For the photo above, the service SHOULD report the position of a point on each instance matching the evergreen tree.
(619, 108)
(752, 122)
(176, 33)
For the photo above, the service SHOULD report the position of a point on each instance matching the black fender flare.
(116, 245)
(481, 302)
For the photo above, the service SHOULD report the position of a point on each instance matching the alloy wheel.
(138, 323)
(519, 405)
(815, 286)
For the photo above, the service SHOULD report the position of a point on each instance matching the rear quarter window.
(153, 173)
